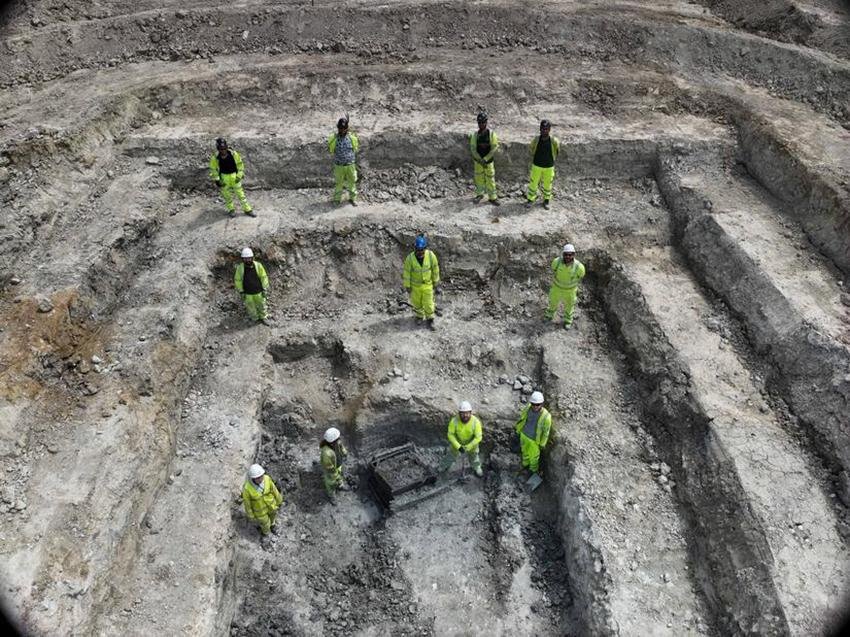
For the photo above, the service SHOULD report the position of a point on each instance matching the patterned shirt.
(344, 153)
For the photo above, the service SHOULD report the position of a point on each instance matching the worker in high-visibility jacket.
(252, 283)
(464, 434)
(421, 274)
(261, 499)
(533, 427)
(483, 145)
(344, 145)
(227, 171)
(332, 453)
(544, 151)
(567, 274)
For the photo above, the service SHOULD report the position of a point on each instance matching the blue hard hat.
(421, 242)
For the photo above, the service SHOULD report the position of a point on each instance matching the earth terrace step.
(626, 544)
(808, 558)
(812, 370)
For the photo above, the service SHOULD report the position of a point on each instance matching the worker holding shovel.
(533, 427)
(464, 436)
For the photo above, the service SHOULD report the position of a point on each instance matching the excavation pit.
(398, 472)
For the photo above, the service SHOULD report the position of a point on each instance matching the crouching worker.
(332, 453)
(464, 434)
(261, 499)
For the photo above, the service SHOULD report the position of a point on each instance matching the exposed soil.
(699, 474)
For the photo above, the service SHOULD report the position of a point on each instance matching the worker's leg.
(416, 300)
(272, 518)
(339, 179)
(547, 177)
(264, 524)
(448, 459)
(475, 460)
(569, 303)
(556, 296)
(329, 479)
(479, 178)
(428, 308)
(240, 192)
(350, 177)
(490, 180)
(251, 307)
(530, 454)
(226, 191)
(533, 181)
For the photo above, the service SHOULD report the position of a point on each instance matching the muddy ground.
(698, 480)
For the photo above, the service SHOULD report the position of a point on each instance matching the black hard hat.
(482, 117)
(221, 143)
(545, 124)
(342, 122)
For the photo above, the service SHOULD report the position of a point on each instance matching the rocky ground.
(698, 480)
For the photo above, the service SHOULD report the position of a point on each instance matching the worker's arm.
(246, 502)
(214, 174)
(494, 146)
(237, 278)
(545, 429)
(332, 144)
(554, 265)
(580, 271)
(451, 435)
(264, 277)
(406, 274)
(355, 143)
(521, 422)
(477, 434)
(556, 147)
(473, 148)
(435, 269)
(240, 166)
(278, 498)
(343, 452)
(328, 460)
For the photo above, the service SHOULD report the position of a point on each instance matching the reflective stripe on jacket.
(426, 273)
(258, 505)
(544, 424)
(240, 167)
(240, 274)
(468, 434)
(567, 276)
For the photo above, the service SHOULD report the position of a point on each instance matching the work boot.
(353, 202)
(250, 213)
(478, 471)
(478, 198)
(266, 321)
(495, 202)
(430, 323)
(529, 204)
(231, 213)
(568, 326)
(546, 204)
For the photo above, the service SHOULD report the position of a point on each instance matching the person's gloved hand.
(219, 183)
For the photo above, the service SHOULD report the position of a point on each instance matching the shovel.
(462, 478)
(534, 481)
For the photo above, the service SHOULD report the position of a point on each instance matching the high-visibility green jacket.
(258, 505)
(473, 147)
(328, 457)
(425, 273)
(465, 434)
(240, 167)
(544, 425)
(355, 143)
(556, 146)
(567, 276)
(240, 274)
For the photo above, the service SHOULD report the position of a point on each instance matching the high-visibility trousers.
(538, 175)
(345, 178)
(229, 187)
(266, 522)
(256, 306)
(558, 296)
(484, 176)
(530, 453)
(422, 300)
(452, 455)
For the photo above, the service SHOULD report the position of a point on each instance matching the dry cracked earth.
(698, 482)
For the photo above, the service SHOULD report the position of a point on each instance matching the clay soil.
(697, 482)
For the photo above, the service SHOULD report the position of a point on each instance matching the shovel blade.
(534, 481)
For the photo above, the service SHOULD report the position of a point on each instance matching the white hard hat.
(332, 434)
(569, 248)
(247, 253)
(255, 471)
(464, 406)
(536, 398)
